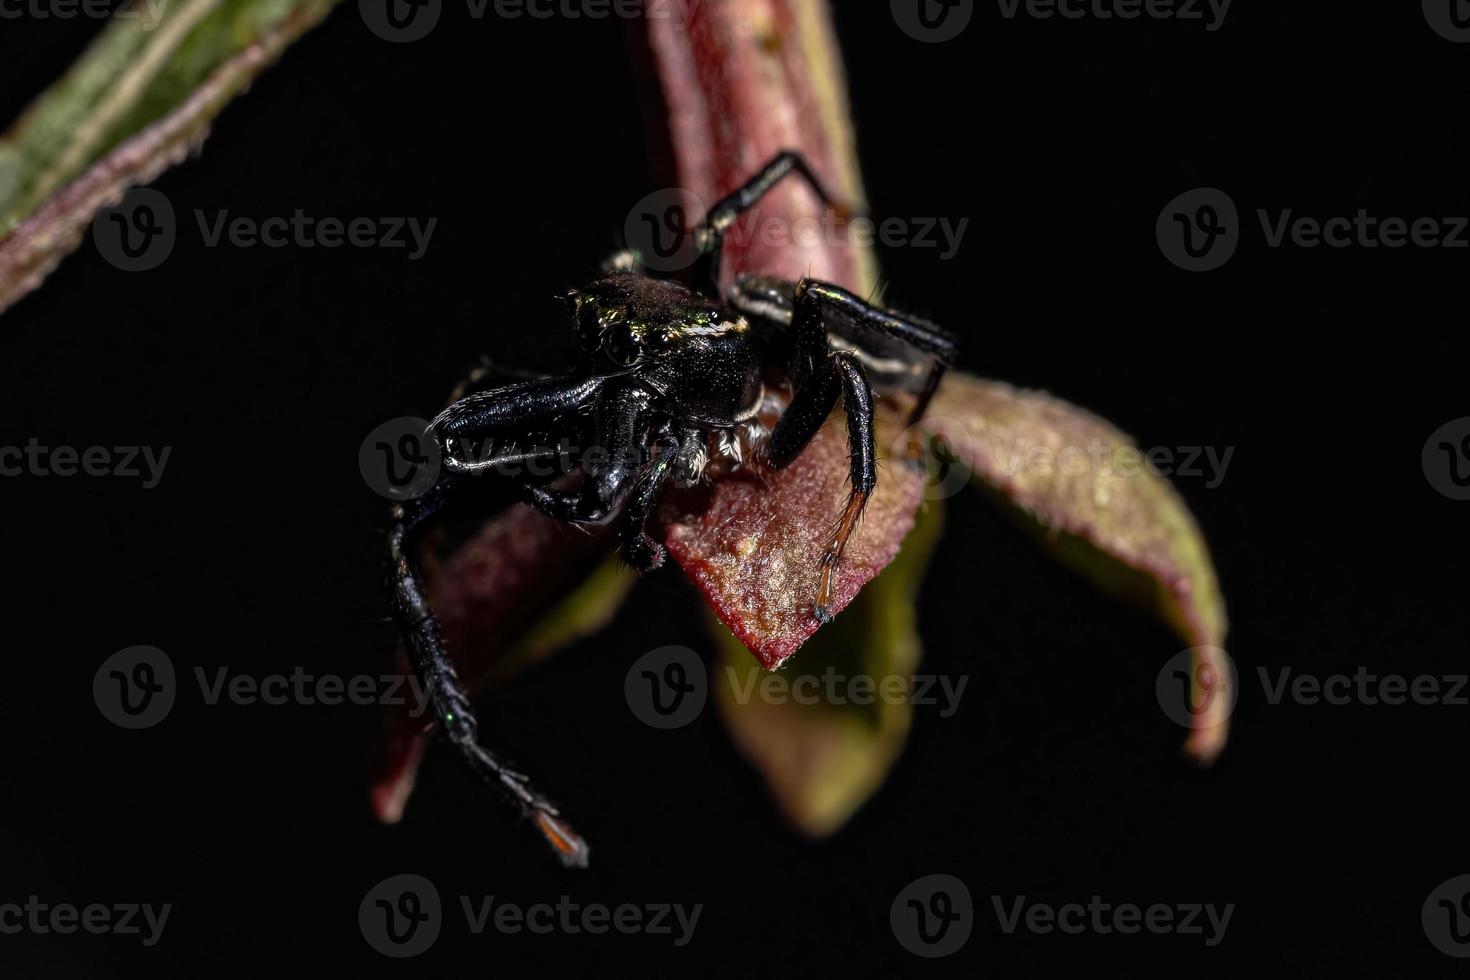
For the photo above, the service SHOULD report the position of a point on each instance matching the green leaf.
(136, 102)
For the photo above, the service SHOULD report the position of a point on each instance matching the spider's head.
(608, 332)
(628, 318)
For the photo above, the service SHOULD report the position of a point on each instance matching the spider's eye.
(620, 344)
(589, 326)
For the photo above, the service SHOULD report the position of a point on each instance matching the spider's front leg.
(639, 549)
(490, 413)
(503, 409)
(819, 373)
(447, 695)
(817, 386)
(612, 463)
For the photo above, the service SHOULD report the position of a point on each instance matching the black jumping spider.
(666, 371)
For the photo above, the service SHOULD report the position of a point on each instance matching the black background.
(1058, 779)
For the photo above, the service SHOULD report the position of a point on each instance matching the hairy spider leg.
(447, 694)
(836, 371)
(485, 412)
(487, 374)
(692, 457)
(640, 550)
(472, 416)
(827, 302)
(614, 468)
(774, 301)
(710, 236)
(818, 373)
(621, 418)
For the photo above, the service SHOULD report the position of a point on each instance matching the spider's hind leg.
(710, 235)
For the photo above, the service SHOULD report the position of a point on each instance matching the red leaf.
(1075, 476)
(743, 81)
(751, 542)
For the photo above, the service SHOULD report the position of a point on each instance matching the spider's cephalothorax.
(696, 356)
(670, 376)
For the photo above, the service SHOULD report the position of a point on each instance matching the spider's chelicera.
(670, 378)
